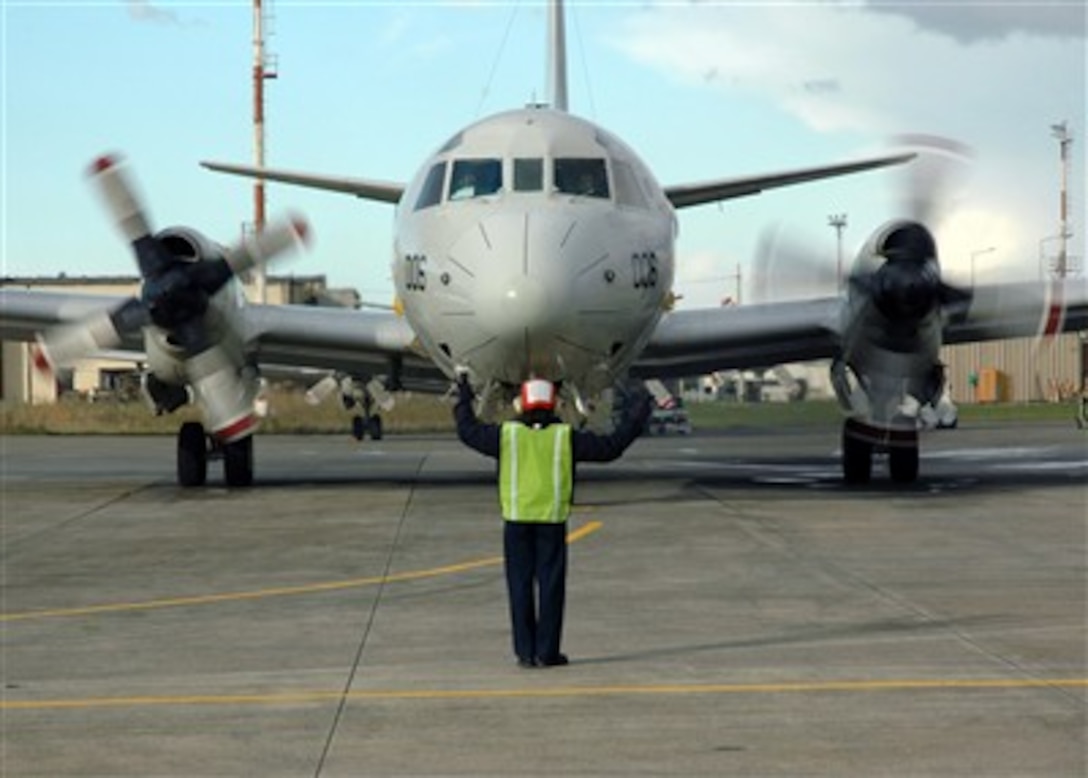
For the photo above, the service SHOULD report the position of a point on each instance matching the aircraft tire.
(375, 427)
(358, 427)
(903, 462)
(192, 455)
(238, 462)
(857, 457)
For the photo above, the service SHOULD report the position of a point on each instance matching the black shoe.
(559, 660)
(526, 664)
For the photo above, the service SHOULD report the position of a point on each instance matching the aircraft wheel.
(358, 427)
(238, 462)
(857, 457)
(903, 461)
(192, 454)
(375, 427)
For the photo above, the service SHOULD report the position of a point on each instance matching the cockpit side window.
(628, 191)
(585, 177)
(431, 193)
(528, 174)
(475, 178)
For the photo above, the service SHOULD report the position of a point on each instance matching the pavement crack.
(12, 546)
(369, 624)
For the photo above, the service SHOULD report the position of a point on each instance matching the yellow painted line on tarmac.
(281, 591)
(438, 695)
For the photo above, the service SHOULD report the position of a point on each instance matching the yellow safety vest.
(536, 475)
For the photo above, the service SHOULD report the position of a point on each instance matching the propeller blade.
(276, 239)
(127, 211)
(786, 268)
(67, 344)
(939, 167)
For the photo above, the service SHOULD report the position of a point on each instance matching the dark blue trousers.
(536, 561)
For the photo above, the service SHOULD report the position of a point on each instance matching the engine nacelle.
(189, 245)
(897, 240)
(165, 359)
(226, 393)
(892, 327)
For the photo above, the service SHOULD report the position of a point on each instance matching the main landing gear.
(860, 440)
(356, 393)
(195, 448)
(367, 422)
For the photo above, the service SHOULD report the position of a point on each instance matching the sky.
(699, 89)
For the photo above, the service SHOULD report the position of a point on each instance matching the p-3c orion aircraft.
(530, 243)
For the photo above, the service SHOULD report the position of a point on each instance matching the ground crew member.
(536, 456)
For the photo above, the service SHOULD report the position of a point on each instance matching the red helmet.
(537, 395)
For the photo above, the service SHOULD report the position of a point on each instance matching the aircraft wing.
(684, 195)
(25, 313)
(1030, 309)
(359, 342)
(353, 341)
(366, 188)
(697, 342)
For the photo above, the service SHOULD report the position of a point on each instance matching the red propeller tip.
(302, 229)
(103, 163)
(40, 360)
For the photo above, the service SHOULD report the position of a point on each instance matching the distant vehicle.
(666, 420)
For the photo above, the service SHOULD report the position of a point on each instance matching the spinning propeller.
(907, 285)
(898, 267)
(181, 272)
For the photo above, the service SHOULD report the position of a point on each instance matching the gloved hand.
(464, 386)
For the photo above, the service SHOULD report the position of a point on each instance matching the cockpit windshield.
(578, 176)
(475, 178)
(528, 174)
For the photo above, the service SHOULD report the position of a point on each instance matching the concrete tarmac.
(732, 610)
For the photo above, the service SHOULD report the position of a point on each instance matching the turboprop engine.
(187, 312)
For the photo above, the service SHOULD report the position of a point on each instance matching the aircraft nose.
(514, 304)
(518, 267)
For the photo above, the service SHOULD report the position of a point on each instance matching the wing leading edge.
(365, 188)
(685, 195)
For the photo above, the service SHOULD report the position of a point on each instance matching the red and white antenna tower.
(264, 68)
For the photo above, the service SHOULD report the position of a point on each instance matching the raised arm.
(472, 432)
(590, 447)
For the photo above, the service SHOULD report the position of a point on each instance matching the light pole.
(978, 253)
(838, 221)
(1065, 140)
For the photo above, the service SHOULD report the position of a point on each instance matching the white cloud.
(968, 22)
(846, 70)
(144, 11)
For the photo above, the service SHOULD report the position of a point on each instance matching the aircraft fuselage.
(534, 243)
